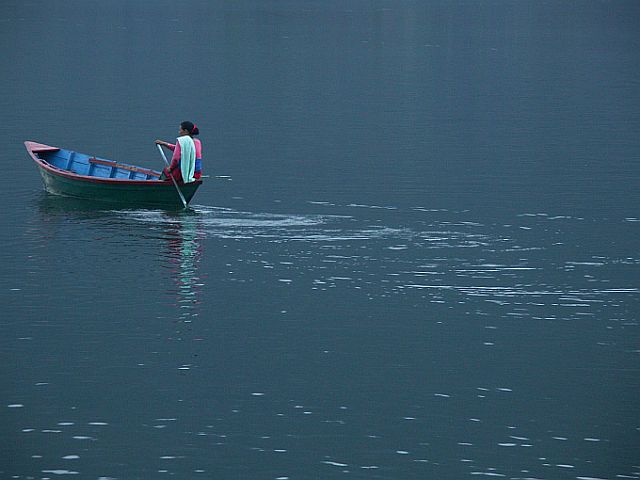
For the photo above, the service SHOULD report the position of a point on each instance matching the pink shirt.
(175, 159)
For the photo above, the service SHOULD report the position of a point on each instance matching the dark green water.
(416, 256)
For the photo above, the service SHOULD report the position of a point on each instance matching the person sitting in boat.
(186, 162)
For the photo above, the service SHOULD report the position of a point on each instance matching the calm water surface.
(416, 256)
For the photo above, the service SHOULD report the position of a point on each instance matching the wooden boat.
(65, 172)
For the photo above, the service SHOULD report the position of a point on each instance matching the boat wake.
(441, 256)
(216, 222)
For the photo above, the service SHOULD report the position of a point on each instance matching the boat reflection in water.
(183, 253)
(123, 251)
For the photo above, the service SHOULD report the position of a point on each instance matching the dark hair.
(190, 127)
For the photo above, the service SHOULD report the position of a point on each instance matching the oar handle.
(164, 157)
(184, 202)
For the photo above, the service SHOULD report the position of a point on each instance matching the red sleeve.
(176, 157)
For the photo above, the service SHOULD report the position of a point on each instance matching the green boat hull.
(150, 193)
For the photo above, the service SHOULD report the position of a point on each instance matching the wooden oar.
(184, 202)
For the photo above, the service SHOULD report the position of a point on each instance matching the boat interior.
(87, 165)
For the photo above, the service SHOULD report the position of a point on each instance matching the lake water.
(417, 255)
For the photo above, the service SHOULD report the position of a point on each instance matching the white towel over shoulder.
(187, 158)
